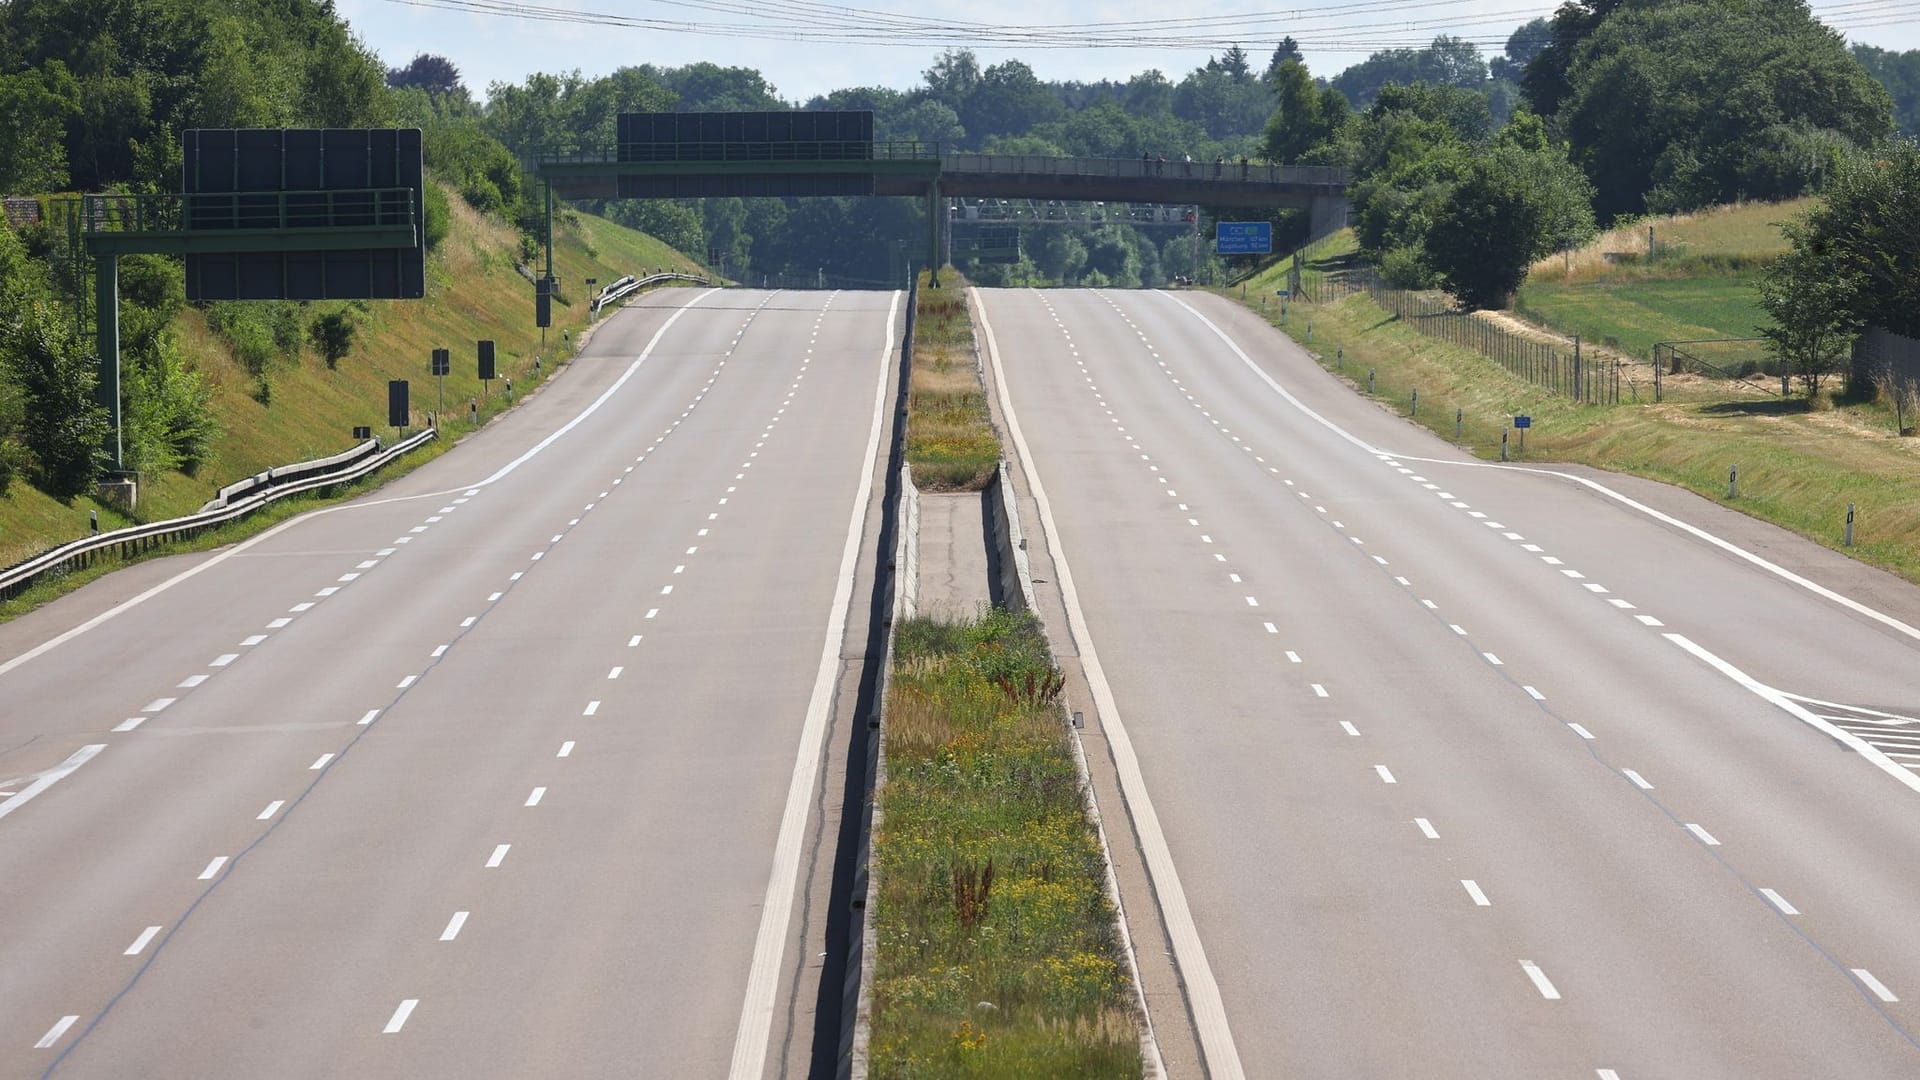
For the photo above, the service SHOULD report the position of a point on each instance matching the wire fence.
(1580, 376)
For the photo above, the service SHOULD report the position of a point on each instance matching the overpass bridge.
(742, 167)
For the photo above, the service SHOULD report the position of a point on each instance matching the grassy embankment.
(1800, 465)
(951, 445)
(473, 292)
(996, 952)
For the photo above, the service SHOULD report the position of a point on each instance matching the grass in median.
(996, 954)
(1800, 465)
(951, 444)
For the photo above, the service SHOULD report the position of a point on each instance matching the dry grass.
(1739, 235)
(951, 444)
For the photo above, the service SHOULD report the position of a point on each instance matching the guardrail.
(277, 485)
(629, 285)
(1225, 172)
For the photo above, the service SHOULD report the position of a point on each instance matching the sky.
(808, 47)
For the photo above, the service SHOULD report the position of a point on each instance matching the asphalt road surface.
(507, 769)
(1468, 771)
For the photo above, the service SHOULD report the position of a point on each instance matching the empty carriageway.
(1465, 771)
(509, 768)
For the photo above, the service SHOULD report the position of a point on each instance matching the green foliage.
(63, 428)
(1449, 61)
(1512, 206)
(332, 335)
(168, 422)
(439, 214)
(1677, 105)
(1807, 294)
(1306, 116)
(35, 106)
(1899, 72)
(1868, 226)
(258, 332)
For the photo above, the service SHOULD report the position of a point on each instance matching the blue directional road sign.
(1243, 237)
(1523, 421)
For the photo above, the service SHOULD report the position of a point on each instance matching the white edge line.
(1203, 992)
(776, 912)
(128, 604)
(1793, 708)
(51, 777)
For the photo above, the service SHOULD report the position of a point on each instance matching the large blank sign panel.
(240, 180)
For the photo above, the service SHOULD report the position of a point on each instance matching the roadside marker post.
(1369, 382)
(1503, 447)
(1733, 481)
(1849, 524)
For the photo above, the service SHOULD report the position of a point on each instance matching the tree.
(63, 428)
(1807, 293)
(1868, 225)
(34, 109)
(437, 75)
(1545, 82)
(1288, 49)
(1692, 102)
(1523, 45)
(1306, 116)
(1511, 207)
(1234, 62)
(1899, 72)
(332, 334)
(1448, 61)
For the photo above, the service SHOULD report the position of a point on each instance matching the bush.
(1402, 268)
(332, 335)
(62, 429)
(169, 422)
(439, 211)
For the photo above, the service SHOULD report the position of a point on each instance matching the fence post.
(1579, 386)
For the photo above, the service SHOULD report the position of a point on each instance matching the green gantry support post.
(933, 233)
(106, 307)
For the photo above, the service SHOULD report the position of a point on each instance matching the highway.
(518, 766)
(1444, 769)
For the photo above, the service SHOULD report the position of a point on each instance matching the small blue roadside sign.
(1523, 421)
(1243, 237)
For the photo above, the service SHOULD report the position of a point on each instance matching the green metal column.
(106, 308)
(933, 232)
(549, 230)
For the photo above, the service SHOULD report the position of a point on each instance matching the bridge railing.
(1223, 171)
(628, 153)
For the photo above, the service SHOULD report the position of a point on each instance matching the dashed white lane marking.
(1473, 890)
(1879, 988)
(1426, 828)
(534, 798)
(1386, 774)
(368, 717)
(495, 597)
(1703, 835)
(251, 641)
(1271, 629)
(453, 926)
(1638, 780)
(158, 704)
(400, 1015)
(1318, 690)
(499, 855)
(440, 651)
(634, 642)
(320, 762)
(1292, 657)
(566, 749)
(1492, 659)
(191, 681)
(407, 681)
(1347, 726)
(1606, 1074)
(1251, 602)
(272, 809)
(1534, 694)
(592, 707)
(224, 659)
(615, 673)
(666, 590)
(651, 612)
(1458, 629)
(1780, 902)
(213, 867)
(1540, 980)
(50, 777)
(1581, 731)
(140, 943)
(53, 1033)
(1649, 620)
(469, 621)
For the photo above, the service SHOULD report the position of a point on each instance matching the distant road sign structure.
(1243, 237)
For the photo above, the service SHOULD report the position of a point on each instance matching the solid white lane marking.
(537, 794)
(1782, 701)
(1534, 694)
(272, 809)
(320, 762)
(776, 911)
(1347, 726)
(566, 749)
(224, 659)
(130, 723)
(1426, 828)
(1318, 690)
(1581, 731)
(453, 926)
(158, 704)
(192, 681)
(53, 1033)
(1386, 774)
(51, 777)
(400, 1015)
(499, 854)
(1780, 902)
(1703, 835)
(213, 867)
(592, 707)
(140, 943)
(1879, 988)
(368, 717)
(1638, 780)
(1540, 981)
(1473, 890)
